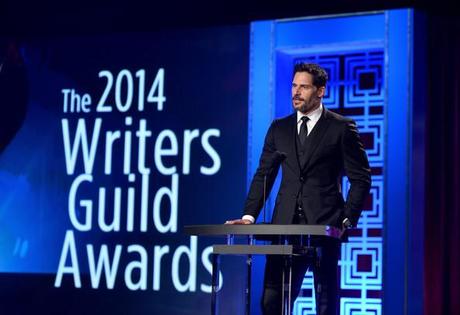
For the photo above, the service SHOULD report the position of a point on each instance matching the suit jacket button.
(302, 179)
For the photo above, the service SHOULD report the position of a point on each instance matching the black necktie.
(303, 130)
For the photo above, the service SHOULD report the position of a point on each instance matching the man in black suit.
(319, 146)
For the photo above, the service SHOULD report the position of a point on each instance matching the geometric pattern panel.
(356, 89)
(361, 264)
(364, 79)
(359, 306)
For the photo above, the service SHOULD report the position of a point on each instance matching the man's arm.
(357, 170)
(255, 198)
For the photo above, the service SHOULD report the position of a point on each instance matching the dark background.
(29, 17)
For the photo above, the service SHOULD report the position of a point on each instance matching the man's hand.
(238, 221)
(346, 224)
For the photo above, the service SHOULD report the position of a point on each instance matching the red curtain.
(442, 213)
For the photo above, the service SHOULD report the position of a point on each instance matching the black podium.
(309, 236)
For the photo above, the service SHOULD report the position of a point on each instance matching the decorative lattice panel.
(356, 90)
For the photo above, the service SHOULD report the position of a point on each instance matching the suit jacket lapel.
(315, 137)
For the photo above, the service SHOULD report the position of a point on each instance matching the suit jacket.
(333, 147)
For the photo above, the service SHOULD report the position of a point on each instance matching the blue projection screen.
(125, 139)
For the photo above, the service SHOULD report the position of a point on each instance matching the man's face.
(305, 96)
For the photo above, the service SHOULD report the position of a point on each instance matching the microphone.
(272, 162)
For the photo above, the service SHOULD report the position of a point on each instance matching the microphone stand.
(265, 201)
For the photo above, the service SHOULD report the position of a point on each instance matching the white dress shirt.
(313, 117)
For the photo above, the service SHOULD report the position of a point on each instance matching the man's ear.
(321, 91)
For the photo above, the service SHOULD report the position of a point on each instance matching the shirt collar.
(313, 116)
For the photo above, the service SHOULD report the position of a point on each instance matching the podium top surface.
(262, 229)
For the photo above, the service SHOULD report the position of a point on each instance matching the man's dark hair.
(319, 74)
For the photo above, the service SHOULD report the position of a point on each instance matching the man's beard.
(304, 106)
